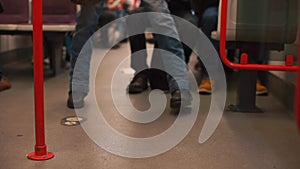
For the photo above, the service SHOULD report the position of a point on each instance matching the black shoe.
(180, 98)
(139, 83)
(124, 40)
(117, 46)
(75, 100)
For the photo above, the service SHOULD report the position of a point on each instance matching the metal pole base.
(34, 156)
(237, 108)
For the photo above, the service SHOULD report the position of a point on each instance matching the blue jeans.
(121, 27)
(166, 24)
(86, 25)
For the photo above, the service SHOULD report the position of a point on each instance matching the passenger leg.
(209, 23)
(138, 60)
(86, 25)
(168, 41)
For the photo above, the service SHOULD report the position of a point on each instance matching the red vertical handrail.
(243, 66)
(297, 100)
(40, 148)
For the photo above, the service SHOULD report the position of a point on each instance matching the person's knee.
(210, 16)
(210, 19)
(106, 17)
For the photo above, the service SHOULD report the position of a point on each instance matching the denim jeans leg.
(86, 25)
(165, 25)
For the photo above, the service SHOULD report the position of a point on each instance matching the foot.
(75, 100)
(261, 90)
(180, 98)
(139, 83)
(4, 84)
(205, 87)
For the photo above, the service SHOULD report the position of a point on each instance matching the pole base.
(244, 109)
(33, 156)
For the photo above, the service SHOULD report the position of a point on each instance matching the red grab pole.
(297, 100)
(40, 148)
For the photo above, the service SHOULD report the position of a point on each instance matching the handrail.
(40, 148)
(244, 65)
(297, 99)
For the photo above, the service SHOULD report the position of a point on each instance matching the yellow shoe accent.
(205, 87)
(261, 89)
(4, 83)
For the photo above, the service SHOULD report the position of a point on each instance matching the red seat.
(58, 12)
(15, 12)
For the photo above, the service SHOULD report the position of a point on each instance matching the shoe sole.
(134, 90)
(4, 84)
(262, 93)
(4, 87)
(204, 91)
(177, 104)
(75, 106)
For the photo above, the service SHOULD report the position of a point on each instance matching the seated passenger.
(207, 12)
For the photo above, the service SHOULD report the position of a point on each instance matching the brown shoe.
(4, 84)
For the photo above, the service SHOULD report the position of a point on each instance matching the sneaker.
(75, 100)
(139, 83)
(4, 84)
(205, 87)
(261, 90)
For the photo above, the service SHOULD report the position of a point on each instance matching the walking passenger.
(178, 84)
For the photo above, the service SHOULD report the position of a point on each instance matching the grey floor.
(266, 140)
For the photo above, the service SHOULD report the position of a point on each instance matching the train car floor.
(265, 140)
